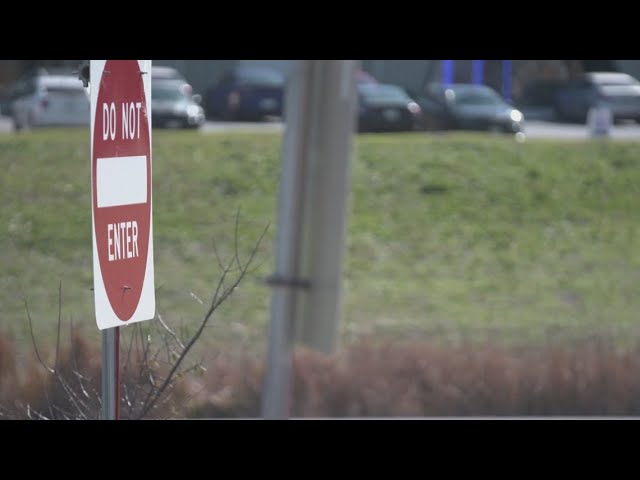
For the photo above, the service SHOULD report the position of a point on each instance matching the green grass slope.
(462, 234)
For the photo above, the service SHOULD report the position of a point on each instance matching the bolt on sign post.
(122, 223)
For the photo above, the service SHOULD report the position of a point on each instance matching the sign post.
(122, 224)
(110, 373)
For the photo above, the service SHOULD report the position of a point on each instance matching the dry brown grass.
(368, 379)
(406, 379)
(73, 390)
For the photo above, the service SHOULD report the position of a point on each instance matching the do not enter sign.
(123, 274)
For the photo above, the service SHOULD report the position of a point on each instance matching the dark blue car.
(386, 108)
(247, 94)
(618, 91)
(461, 106)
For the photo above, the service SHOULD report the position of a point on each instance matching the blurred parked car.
(160, 72)
(468, 107)
(540, 93)
(618, 91)
(386, 108)
(173, 106)
(246, 93)
(5, 101)
(49, 100)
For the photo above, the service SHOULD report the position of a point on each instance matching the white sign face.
(123, 276)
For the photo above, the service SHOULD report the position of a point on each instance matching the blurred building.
(414, 74)
(410, 74)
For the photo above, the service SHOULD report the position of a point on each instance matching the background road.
(533, 129)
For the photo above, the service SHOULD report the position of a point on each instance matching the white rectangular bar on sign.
(121, 181)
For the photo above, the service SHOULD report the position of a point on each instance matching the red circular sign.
(121, 166)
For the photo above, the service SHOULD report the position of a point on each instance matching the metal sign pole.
(121, 90)
(111, 373)
(110, 336)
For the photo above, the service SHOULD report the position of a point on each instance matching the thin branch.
(65, 415)
(74, 358)
(142, 362)
(223, 268)
(46, 395)
(33, 339)
(139, 339)
(55, 365)
(166, 341)
(152, 383)
(40, 416)
(215, 252)
(129, 348)
(171, 332)
(257, 267)
(73, 397)
(235, 240)
(216, 301)
(125, 390)
(132, 397)
(196, 298)
(192, 368)
(156, 356)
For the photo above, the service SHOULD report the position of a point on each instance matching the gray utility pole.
(320, 120)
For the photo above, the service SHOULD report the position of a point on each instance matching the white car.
(50, 100)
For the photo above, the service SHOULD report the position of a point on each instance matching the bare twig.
(149, 390)
(132, 397)
(55, 364)
(33, 339)
(219, 296)
(125, 367)
(29, 410)
(171, 332)
(217, 255)
(196, 298)
(73, 397)
(74, 358)
(235, 240)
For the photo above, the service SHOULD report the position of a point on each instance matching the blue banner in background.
(506, 79)
(478, 72)
(447, 71)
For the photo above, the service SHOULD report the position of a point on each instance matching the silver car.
(619, 92)
(50, 100)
